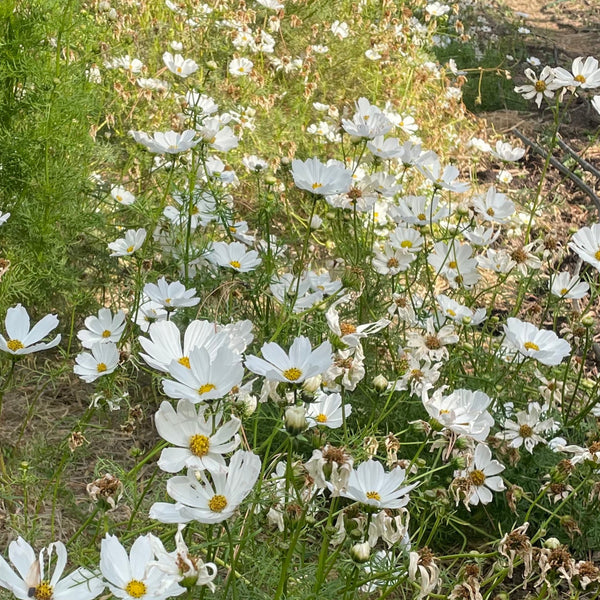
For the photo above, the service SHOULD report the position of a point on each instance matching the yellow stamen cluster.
(235, 264)
(292, 374)
(217, 503)
(106, 333)
(185, 361)
(199, 445)
(207, 387)
(43, 591)
(477, 477)
(321, 418)
(101, 367)
(136, 589)
(531, 346)
(14, 345)
(373, 496)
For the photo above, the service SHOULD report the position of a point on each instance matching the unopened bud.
(312, 384)
(380, 383)
(360, 553)
(270, 180)
(295, 420)
(212, 65)
(552, 543)
(587, 321)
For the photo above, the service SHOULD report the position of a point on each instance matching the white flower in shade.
(483, 476)
(436, 9)
(327, 410)
(443, 178)
(134, 65)
(481, 236)
(102, 360)
(178, 65)
(384, 148)
(391, 261)
(200, 104)
(21, 338)
(321, 179)
(34, 581)
(272, 4)
(200, 441)
(133, 240)
(420, 375)
(505, 151)
(453, 310)
(4, 217)
(596, 103)
(347, 364)
(197, 498)
(169, 142)
(368, 121)
(586, 244)
(432, 344)
(527, 428)
(233, 256)
(181, 564)
(348, 333)
(340, 29)
(454, 261)
(406, 238)
(541, 344)
(103, 328)
(240, 67)
(565, 286)
(463, 411)
(301, 363)
(539, 88)
(369, 484)
(164, 345)
(585, 75)
(494, 206)
(171, 295)
(121, 195)
(149, 312)
(135, 576)
(207, 377)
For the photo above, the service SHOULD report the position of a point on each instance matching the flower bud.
(212, 65)
(295, 420)
(380, 383)
(312, 384)
(587, 321)
(552, 543)
(270, 180)
(360, 553)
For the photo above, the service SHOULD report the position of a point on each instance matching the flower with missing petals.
(483, 476)
(21, 337)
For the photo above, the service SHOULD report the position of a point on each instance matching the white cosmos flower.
(565, 286)
(240, 67)
(529, 341)
(321, 179)
(21, 338)
(505, 151)
(586, 243)
(178, 65)
(483, 476)
(169, 142)
(34, 580)
(327, 410)
(103, 328)
(121, 195)
(301, 363)
(539, 88)
(390, 260)
(171, 295)
(208, 376)
(596, 103)
(102, 360)
(585, 75)
(368, 121)
(453, 310)
(181, 564)
(418, 210)
(369, 484)
(200, 441)
(527, 428)
(494, 206)
(164, 345)
(198, 498)
(463, 411)
(134, 576)
(149, 312)
(4, 217)
(443, 178)
(233, 256)
(133, 240)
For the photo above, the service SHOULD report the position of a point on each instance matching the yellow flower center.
(14, 345)
(235, 264)
(185, 361)
(217, 503)
(316, 186)
(43, 591)
(490, 211)
(422, 217)
(531, 346)
(119, 198)
(101, 367)
(540, 86)
(241, 69)
(452, 264)
(167, 300)
(392, 263)
(597, 255)
(564, 292)
(129, 249)
(373, 496)
(477, 477)
(321, 418)
(207, 387)
(451, 312)
(525, 431)
(179, 69)
(406, 244)
(136, 589)
(292, 374)
(106, 333)
(579, 78)
(199, 445)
